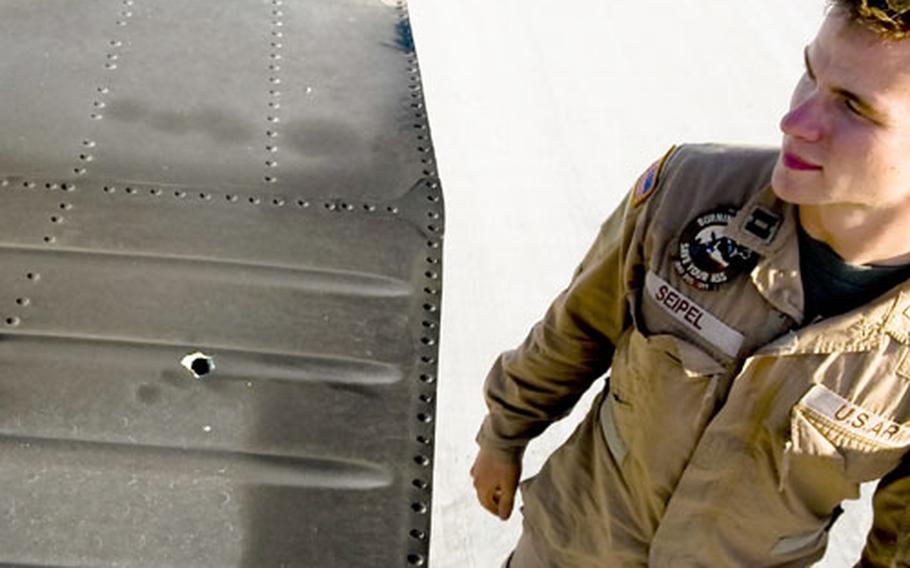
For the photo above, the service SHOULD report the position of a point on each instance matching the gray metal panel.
(252, 180)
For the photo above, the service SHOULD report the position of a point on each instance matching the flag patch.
(647, 182)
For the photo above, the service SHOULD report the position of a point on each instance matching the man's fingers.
(489, 500)
(506, 500)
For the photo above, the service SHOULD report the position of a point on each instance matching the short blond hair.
(890, 19)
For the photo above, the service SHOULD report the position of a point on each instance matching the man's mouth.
(794, 162)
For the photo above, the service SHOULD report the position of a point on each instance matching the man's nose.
(803, 121)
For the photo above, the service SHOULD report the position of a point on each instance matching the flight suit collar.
(768, 226)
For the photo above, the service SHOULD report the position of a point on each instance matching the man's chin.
(787, 188)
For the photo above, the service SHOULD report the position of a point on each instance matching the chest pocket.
(662, 392)
(846, 437)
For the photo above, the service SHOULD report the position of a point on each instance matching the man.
(753, 308)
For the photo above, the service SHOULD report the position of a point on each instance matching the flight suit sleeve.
(539, 382)
(888, 543)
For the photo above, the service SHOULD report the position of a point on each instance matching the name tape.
(693, 316)
(856, 419)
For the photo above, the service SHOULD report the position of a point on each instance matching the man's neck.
(861, 235)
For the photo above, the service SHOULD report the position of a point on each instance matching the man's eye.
(853, 107)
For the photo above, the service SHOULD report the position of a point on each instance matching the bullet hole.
(199, 364)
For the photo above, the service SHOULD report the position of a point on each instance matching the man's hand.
(495, 481)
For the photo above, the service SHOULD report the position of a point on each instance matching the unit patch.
(707, 257)
(697, 319)
(855, 419)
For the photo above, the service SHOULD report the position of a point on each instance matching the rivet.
(13, 321)
(86, 157)
(274, 104)
(33, 276)
(393, 210)
(50, 239)
(96, 116)
(113, 56)
(271, 148)
(274, 67)
(88, 143)
(270, 179)
(302, 203)
(103, 90)
(155, 191)
(275, 55)
(231, 198)
(116, 43)
(418, 534)
(278, 202)
(254, 200)
(271, 134)
(28, 184)
(66, 206)
(23, 301)
(273, 119)
(110, 65)
(79, 171)
(179, 193)
(420, 509)
(130, 190)
(56, 219)
(274, 80)
(271, 163)
(109, 189)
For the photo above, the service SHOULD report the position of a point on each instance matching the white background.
(543, 114)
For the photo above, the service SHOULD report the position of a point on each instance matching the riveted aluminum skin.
(221, 232)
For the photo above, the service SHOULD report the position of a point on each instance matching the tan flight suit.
(723, 438)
